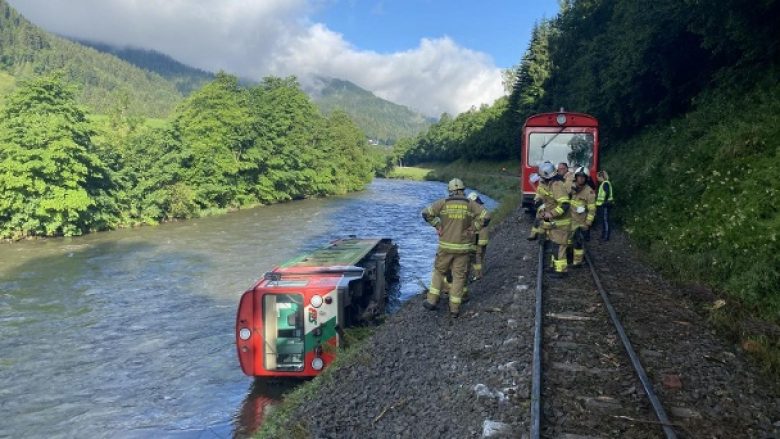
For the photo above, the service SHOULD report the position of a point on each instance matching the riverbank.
(498, 180)
(423, 374)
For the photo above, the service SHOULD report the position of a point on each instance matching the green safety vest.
(604, 196)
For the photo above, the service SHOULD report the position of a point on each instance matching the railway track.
(587, 381)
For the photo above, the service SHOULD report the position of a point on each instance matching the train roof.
(341, 254)
(572, 119)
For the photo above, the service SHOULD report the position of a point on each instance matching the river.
(130, 333)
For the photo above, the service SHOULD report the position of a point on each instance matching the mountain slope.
(186, 79)
(380, 119)
(26, 51)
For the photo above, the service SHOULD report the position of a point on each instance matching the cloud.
(263, 37)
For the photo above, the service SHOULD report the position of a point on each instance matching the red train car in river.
(572, 138)
(290, 323)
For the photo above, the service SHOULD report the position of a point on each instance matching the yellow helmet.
(456, 184)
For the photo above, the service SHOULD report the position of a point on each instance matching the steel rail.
(536, 375)
(536, 384)
(640, 371)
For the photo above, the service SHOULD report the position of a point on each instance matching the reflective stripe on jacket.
(583, 197)
(458, 220)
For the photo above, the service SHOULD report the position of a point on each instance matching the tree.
(216, 132)
(51, 180)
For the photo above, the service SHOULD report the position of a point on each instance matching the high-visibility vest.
(605, 194)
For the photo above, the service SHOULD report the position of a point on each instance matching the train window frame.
(554, 138)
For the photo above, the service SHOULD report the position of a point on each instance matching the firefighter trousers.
(560, 240)
(458, 264)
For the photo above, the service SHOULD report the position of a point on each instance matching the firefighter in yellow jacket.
(552, 214)
(457, 219)
(480, 244)
(583, 211)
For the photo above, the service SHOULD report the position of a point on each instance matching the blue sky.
(433, 56)
(500, 28)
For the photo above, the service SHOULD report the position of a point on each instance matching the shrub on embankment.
(700, 193)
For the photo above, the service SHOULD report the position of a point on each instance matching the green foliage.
(186, 79)
(484, 133)
(227, 146)
(51, 180)
(381, 120)
(710, 214)
(27, 51)
(215, 125)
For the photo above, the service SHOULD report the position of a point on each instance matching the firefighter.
(563, 171)
(583, 211)
(480, 244)
(457, 219)
(604, 202)
(552, 214)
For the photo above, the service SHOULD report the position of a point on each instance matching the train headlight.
(244, 334)
(561, 119)
(317, 363)
(316, 300)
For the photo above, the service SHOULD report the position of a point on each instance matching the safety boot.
(429, 306)
(535, 232)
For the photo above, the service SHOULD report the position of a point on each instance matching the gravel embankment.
(426, 375)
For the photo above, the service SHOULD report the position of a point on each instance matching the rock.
(671, 381)
(682, 412)
(493, 428)
(603, 403)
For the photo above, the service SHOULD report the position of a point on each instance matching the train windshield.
(283, 333)
(576, 149)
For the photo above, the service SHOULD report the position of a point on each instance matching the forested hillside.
(687, 94)
(226, 146)
(381, 120)
(27, 51)
(186, 79)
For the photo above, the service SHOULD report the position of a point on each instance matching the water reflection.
(262, 396)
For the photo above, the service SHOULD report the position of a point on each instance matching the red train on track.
(290, 323)
(567, 137)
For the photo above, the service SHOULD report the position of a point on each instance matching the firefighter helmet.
(473, 196)
(547, 170)
(456, 184)
(581, 170)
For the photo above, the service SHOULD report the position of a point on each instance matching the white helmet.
(473, 196)
(456, 184)
(547, 170)
(581, 170)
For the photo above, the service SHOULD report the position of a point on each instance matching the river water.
(130, 333)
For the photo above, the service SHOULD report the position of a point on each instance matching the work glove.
(547, 215)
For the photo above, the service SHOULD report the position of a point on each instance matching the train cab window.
(557, 147)
(283, 332)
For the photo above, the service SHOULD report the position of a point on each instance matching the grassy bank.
(699, 195)
(498, 180)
